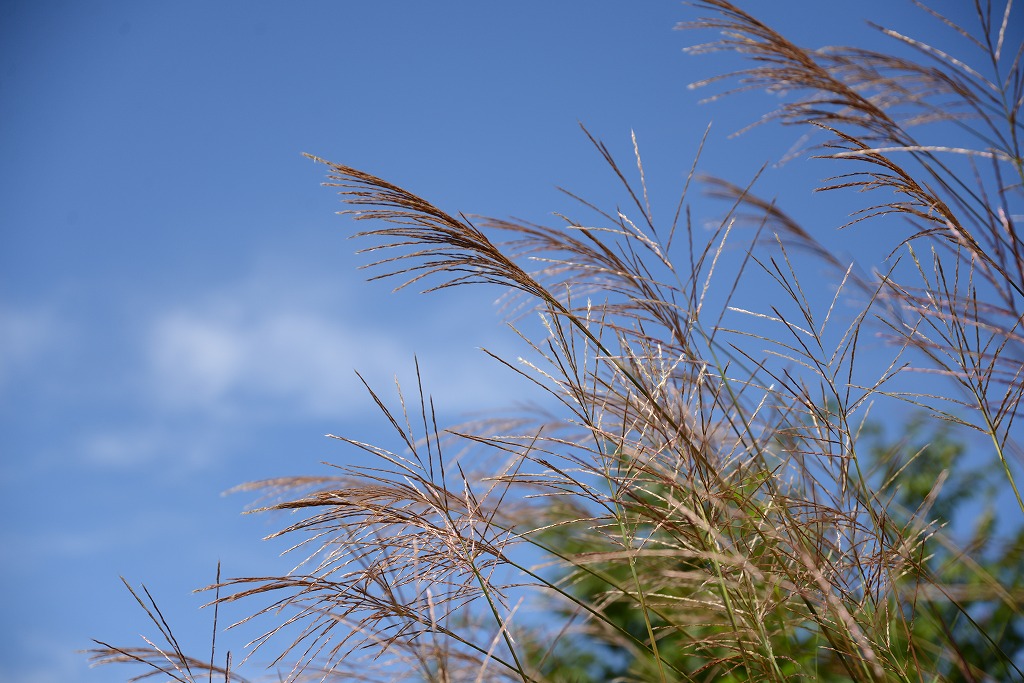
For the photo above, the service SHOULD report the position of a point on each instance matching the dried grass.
(701, 509)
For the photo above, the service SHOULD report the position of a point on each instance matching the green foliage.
(979, 570)
(924, 474)
(711, 500)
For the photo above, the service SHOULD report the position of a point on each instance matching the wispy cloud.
(250, 348)
(217, 359)
(26, 335)
(190, 380)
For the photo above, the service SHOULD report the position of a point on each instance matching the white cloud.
(289, 346)
(214, 357)
(196, 378)
(197, 359)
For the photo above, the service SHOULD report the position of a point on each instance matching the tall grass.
(710, 500)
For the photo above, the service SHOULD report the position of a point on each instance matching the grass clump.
(710, 499)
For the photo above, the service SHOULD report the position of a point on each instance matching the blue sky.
(180, 310)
